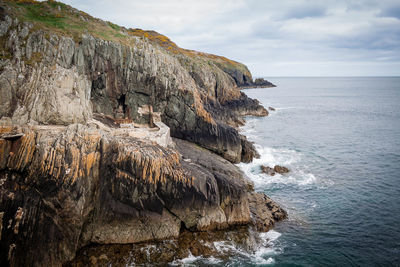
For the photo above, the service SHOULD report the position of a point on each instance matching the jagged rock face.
(163, 253)
(51, 79)
(248, 150)
(65, 187)
(264, 211)
(263, 214)
(241, 78)
(52, 95)
(233, 187)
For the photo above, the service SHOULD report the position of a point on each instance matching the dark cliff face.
(62, 80)
(66, 182)
(81, 185)
(63, 188)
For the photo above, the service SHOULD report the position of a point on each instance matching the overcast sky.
(273, 38)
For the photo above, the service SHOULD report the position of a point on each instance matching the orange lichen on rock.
(75, 153)
(204, 114)
(69, 159)
(75, 168)
(199, 108)
(48, 162)
(149, 164)
(4, 152)
(16, 148)
(6, 129)
(91, 161)
(157, 38)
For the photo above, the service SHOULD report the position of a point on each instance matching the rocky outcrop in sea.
(258, 83)
(87, 111)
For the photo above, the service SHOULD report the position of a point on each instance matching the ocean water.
(340, 137)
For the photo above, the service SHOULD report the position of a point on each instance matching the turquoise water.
(341, 139)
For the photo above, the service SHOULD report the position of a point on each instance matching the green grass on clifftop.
(63, 19)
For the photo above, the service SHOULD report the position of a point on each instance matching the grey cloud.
(393, 11)
(283, 37)
(300, 12)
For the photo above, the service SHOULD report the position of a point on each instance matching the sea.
(340, 138)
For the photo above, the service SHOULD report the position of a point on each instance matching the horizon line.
(287, 76)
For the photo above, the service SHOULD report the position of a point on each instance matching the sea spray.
(271, 157)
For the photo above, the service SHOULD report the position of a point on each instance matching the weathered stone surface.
(267, 170)
(277, 169)
(51, 79)
(68, 181)
(203, 244)
(53, 95)
(280, 169)
(78, 185)
(233, 187)
(264, 211)
(232, 110)
(258, 83)
(248, 150)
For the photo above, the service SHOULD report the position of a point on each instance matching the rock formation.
(75, 171)
(267, 170)
(258, 83)
(280, 169)
(61, 80)
(277, 169)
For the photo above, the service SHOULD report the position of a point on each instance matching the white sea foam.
(190, 260)
(270, 236)
(211, 260)
(271, 157)
(263, 253)
(267, 248)
(250, 128)
(227, 246)
(270, 261)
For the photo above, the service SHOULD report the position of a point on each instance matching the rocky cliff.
(60, 65)
(65, 187)
(70, 176)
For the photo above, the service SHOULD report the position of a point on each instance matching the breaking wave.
(271, 157)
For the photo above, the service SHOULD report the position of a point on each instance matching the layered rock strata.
(75, 169)
(50, 78)
(64, 187)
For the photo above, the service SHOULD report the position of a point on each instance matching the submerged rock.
(271, 108)
(281, 169)
(271, 171)
(268, 170)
